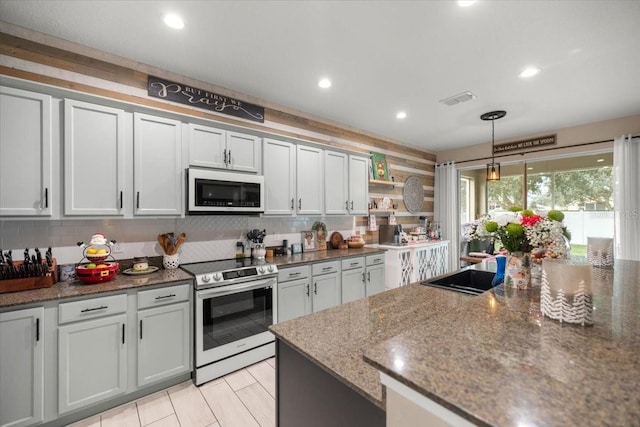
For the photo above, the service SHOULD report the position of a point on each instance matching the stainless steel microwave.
(211, 191)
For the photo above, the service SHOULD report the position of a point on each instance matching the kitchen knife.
(1, 257)
(35, 267)
(40, 267)
(49, 256)
(26, 266)
(9, 257)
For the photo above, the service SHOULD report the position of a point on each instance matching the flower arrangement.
(523, 231)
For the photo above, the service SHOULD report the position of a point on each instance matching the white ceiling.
(382, 56)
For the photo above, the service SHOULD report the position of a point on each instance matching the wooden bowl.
(356, 244)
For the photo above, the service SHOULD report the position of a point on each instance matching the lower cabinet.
(92, 351)
(21, 367)
(354, 279)
(294, 292)
(117, 344)
(326, 285)
(408, 264)
(375, 274)
(163, 334)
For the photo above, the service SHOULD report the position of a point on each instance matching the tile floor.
(245, 398)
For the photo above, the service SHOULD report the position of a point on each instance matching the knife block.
(27, 283)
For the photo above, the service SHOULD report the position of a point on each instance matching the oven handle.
(234, 289)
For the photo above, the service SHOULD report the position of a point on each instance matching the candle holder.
(600, 251)
(565, 294)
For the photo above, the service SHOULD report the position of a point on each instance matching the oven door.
(233, 319)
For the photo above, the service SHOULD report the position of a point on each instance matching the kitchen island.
(492, 360)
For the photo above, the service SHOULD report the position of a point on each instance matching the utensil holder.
(565, 294)
(171, 262)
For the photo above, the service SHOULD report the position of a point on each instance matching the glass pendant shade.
(493, 171)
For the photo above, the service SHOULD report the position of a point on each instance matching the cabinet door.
(326, 291)
(309, 180)
(279, 167)
(353, 285)
(25, 153)
(93, 159)
(21, 367)
(163, 342)
(375, 279)
(294, 299)
(157, 165)
(358, 185)
(438, 259)
(399, 268)
(92, 362)
(243, 152)
(422, 263)
(336, 166)
(207, 146)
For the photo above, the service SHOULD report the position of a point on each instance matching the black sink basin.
(470, 281)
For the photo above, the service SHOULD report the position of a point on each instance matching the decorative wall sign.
(527, 143)
(380, 168)
(177, 92)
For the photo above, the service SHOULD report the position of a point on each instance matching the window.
(581, 187)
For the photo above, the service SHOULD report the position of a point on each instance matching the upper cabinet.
(25, 153)
(336, 182)
(358, 185)
(279, 169)
(93, 159)
(157, 167)
(216, 148)
(309, 179)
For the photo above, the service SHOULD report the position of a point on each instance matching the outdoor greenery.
(569, 190)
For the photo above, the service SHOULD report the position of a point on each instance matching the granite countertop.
(319, 256)
(76, 288)
(335, 339)
(499, 362)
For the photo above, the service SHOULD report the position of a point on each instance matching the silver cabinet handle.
(225, 156)
(352, 205)
(166, 296)
(229, 157)
(327, 268)
(292, 202)
(297, 273)
(140, 328)
(299, 203)
(46, 197)
(307, 289)
(346, 204)
(315, 288)
(368, 276)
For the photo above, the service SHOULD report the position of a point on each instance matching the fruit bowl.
(355, 243)
(97, 254)
(96, 258)
(98, 274)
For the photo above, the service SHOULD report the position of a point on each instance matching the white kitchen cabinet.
(358, 185)
(21, 367)
(409, 264)
(163, 333)
(294, 292)
(326, 289)
(25, 153)
(353, 279)
(309, 180)
(336, 177)
(279, 169)
(217, 148)
(375, 274)
(93, 159)
(157, 165)
(92, 353)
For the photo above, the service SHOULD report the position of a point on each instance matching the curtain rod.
(542, 149)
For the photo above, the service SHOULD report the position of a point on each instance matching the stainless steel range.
(235, 303)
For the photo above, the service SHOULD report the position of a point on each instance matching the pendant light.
(493, 168)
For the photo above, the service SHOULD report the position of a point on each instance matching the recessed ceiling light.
(174, 21)
(530, 72)
(529, 168)
(465, 3)
(600, 160)
(401, 115)
(324, 83)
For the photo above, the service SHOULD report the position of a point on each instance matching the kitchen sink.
(469, 281)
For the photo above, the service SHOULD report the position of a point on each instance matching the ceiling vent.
(458, 99)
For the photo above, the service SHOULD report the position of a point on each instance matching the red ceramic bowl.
(98, 274)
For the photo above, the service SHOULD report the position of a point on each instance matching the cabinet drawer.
(375, 259)
(293, 273)
(162, 296)
(92, 308)
(325, 267)
(351, 263)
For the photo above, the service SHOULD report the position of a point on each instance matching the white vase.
(171, 262)
(259, 251)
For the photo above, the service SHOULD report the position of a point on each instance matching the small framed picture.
(308, 241)
(296, 248)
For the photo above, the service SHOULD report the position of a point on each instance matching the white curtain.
(446, 212)
(626, 199)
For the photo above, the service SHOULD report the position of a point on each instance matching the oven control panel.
(237, 275)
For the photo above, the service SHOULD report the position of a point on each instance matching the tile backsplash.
(208, 236)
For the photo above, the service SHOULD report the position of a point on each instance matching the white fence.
(583, 224)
